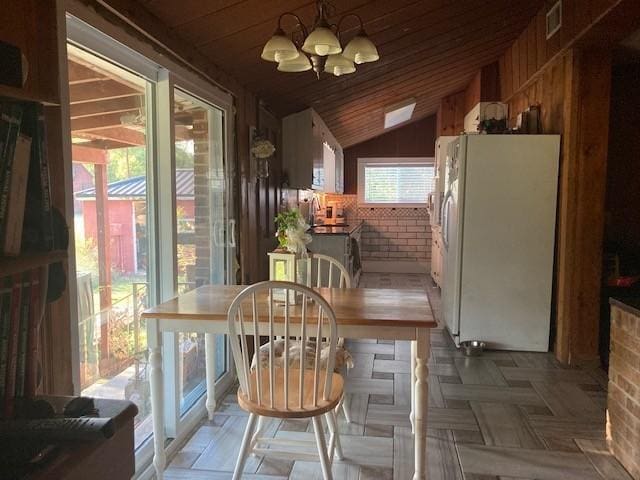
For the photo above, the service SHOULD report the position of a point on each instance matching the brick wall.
(623, 402)
(202, 191)
(400, 237)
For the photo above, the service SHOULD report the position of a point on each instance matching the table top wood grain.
(374, 307)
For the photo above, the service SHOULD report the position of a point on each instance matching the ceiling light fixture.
(320, 49)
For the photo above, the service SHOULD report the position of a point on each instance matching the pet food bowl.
(473, 348)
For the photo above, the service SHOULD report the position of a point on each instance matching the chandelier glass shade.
(339, 65)
(279, 48)
(299, 64)
(361, 50)
(319, 48)
(322, 41)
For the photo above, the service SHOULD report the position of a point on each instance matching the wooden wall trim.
(582, 206)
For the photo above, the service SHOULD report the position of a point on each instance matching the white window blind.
(395, 183)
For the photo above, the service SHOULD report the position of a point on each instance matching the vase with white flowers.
(292, 232)
(290, 261)
(262, 150)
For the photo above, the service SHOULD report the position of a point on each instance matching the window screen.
(396, 182)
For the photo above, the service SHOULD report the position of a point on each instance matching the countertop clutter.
(335, 229)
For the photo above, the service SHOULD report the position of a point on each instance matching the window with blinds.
(395, 181)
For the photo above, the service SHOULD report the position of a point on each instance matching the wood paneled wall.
(484, 87)
(532, 51)
(414, 140)
(451, 112)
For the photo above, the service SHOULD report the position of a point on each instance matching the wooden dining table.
(361, 313)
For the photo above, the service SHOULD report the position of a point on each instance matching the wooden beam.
(82, 154)
(103, 107)
(104, 257)
(102, 144)
(81, 74)
(103, 90)
(110, 120)
(117, 134)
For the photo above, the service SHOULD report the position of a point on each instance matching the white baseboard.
(395, 266)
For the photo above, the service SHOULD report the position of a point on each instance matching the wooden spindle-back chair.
(292, 389)
(325, 271)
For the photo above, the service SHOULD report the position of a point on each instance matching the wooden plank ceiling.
(428, 49)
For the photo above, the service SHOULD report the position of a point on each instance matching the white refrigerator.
(498, 229)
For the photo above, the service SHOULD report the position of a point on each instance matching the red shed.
(127, 217)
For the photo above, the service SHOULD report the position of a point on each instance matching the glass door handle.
(232, 229)
(218, 234)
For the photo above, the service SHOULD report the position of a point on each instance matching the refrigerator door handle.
(445, 220)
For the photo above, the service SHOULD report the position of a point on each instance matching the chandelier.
(320, 49)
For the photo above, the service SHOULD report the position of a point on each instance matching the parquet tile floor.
(502, 416)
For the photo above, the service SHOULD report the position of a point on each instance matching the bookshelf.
(32, 26)
(20, 94)
(29, 261)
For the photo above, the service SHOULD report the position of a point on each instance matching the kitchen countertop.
(335, 229)
(629, 304)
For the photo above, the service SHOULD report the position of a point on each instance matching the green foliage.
(284, 220)
(132, 162)
(126, 163)
(184, 154)
(86, 256)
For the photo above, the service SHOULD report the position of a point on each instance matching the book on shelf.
(23, 332)
(35, 316)
(26, 221)
(5, 306)
(37, 234)
(12, 346)
(12, 240)
(10, 123)
(22, 298)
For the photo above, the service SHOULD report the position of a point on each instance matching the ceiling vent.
(554, 19)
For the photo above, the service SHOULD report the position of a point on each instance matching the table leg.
(421, 403)
(210, 363)
(157, 410)
(412, 415)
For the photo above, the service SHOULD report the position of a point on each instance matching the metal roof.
(136, 187)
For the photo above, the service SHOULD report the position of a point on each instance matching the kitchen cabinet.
(436, 255)
(311, 156)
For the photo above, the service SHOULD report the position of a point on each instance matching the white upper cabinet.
(312, 157)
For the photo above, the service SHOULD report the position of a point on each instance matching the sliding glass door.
(111, 144)
(201, 233)
(151, 204)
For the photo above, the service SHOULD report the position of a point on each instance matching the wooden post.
(104, 255)
(581, 210)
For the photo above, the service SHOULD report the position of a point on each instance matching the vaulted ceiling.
(428, 49)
